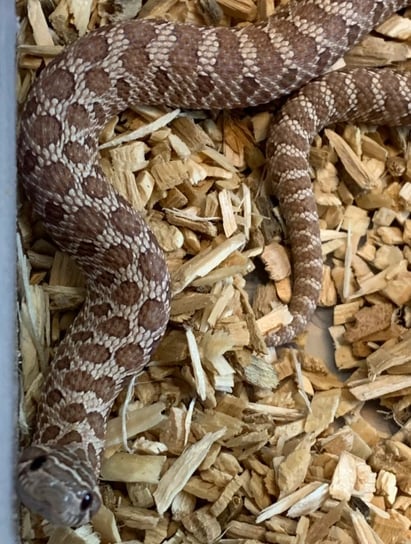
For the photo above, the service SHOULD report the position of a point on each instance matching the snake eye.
(38, 462)
(87, 501)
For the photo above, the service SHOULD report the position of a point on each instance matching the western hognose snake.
(127, 307)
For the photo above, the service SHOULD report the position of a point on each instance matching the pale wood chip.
(345, 313)
(204, 263)
(323, 409)
(245, 532)
(359, 173)
(346, 479)
(69, 13)
(363, 531)
(227, 212)
(213, 347)
(201, 489)
(277, 412)
(176, 477)
(258, 371)
(226, 496)
(190, 220)
(375, 51)
(142, 131)
(65, 535)
(276, 261)
(291, 472)
(198, 371)
(378, 281)
(183, 503)
(169, 237)
(104, 523)
(279, 316)
(309, 503)
(137, 518)
(369, 320)
(192, 134)
(389, 355)
(37, 19)
(382, 385)
(313, 490)
(175, 431)
(396, 27)
(322, 525)
(386, 486)
(203, 525)
(239, 9)
(129, 467)
(138, 420)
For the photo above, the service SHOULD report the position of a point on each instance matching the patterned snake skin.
(127, 307)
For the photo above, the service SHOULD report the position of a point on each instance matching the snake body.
(127, 305)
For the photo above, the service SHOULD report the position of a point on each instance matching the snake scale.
(127, 306)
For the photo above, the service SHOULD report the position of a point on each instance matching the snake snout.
(55, 484)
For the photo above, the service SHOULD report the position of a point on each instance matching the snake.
(127, 306)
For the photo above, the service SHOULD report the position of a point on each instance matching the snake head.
(55, 483)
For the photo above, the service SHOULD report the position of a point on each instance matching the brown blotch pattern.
(92, 50)
(94, 353)
(81, 336)
(104, 388)
(45, 130)
(152, 266)
(78, 116)
(134, 58)
(99, 112)
(50, 433)
(97, 81)
(127, 293)
(105, 278)
(57, 178)
(90, 221)
(125, 221)
(130, 357)
(54, 397)
(59, 84)
(124, 90)
(96, 422)
(70, 437)
(77, 381)
(31, 106)
(85, 249)
(139, 37)
(92, 455)
(95, 188)
(77, 153)
(101, 310)
(62, 363)
(54, 212)
(29, 161)
(118, 256)
(115, 326)
(80, 454)
(73, 412)
(152, 315)
(81, 380)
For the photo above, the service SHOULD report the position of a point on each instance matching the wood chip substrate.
(221, 439)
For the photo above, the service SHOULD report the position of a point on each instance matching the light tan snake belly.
(127, 307)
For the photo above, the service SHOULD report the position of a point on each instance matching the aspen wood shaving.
(179, 473)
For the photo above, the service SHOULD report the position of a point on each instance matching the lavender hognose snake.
(127, 307)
